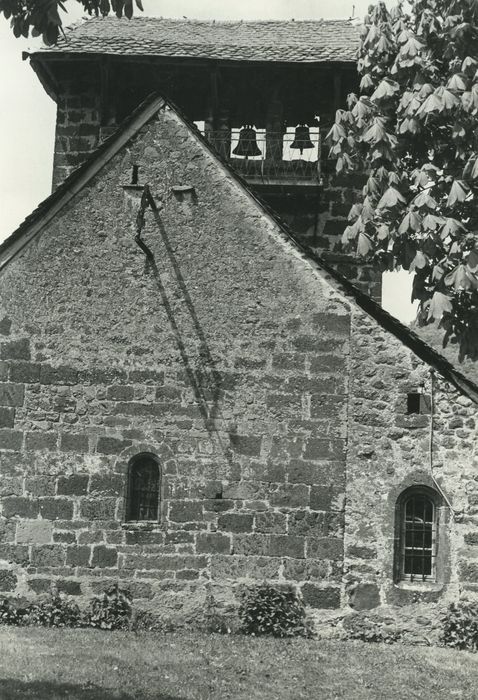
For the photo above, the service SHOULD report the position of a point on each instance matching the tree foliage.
(43, 18)
(414, 129)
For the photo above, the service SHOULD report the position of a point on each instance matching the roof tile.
(290, 41)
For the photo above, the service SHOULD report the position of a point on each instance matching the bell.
(301, 139)
(247, 144)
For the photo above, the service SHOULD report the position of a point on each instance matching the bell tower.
(264, 94)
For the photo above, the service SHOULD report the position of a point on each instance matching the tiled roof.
(81, 176)
(291, 41)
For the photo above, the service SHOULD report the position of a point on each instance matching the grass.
(47, 664)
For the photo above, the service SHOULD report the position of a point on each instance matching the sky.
(27, 114)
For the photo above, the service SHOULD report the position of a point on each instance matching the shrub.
(10, 614)
(368, 628)
(266, 609)
(460, 626)
(55, 611)
(112, 610)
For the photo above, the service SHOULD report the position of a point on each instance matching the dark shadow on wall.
(13, 689)
(204, 377)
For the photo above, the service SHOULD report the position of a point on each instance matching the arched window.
(417, 535)
(143, 488)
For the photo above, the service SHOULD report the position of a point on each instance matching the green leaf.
(390, 199)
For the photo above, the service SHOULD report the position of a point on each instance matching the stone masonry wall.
(224, 353)
(278, 416)
(389, 451)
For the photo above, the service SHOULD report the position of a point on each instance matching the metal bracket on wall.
(147, 202)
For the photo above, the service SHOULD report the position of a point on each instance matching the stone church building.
(196, 389)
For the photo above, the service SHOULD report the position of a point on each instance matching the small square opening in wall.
(418, 403)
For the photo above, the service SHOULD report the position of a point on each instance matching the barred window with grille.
(418, 535)
(143, 497)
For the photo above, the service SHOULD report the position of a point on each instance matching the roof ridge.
(195, 20)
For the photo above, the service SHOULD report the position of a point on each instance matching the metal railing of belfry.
(270, 158)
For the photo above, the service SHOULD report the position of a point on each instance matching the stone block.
(78, 556)
(48, 555)
(364, 596)
(306, 570)
(11, 486)
(8, 580)
(11, 439)
(73, 485)
(58, 375)
(290, 496)
(242, 490)
(7, 530)
(249, 445)
(326, 497)
(325, 548)
(15, 349)
(34, 532)
(287, 546)
(166, 562)
(288, 361)
(4, 370)
(98, 508)
(40, 440)
(227, 567)
(64, 537)
(20, 507)
(185, 511)
(109, 484)
(7, 417)
(332, 323)
(320, 598)
(56, 508)
(235, 522)
(15, 554)
(68, 587)
(319, 449)
(111, 445)
(168, 393)
(328, 407)
(104, 557)
(327, 364)
(120, 393)
(301, 472)
(42, 485)
(40, 585)
(187, 575)
(268, 522)
(145, 538)
(145, 376)
(5, 326)
(95, 375)
(25, 372)
(212, 543)
(302, 522)
(179, 537)
(74, 442)
(360, 552)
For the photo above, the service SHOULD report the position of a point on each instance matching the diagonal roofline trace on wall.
(80, 178)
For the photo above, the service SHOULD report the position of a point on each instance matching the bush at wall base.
(272, 610)
(110, 611)
(460, 626)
